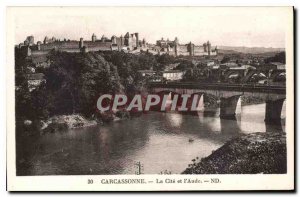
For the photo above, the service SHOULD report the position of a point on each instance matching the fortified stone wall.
(182, 50)
(60, 45)
(199, 50)
(37, 53)
(128, 42)
(90, 44)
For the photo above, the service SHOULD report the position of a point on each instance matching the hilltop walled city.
(130, 43)
(205, 55)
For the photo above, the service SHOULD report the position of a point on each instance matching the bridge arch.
(255, 76)
(278, 76)
(234, 76)
(229, 95)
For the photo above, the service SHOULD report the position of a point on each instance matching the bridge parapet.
(229, 95)
(219, 87)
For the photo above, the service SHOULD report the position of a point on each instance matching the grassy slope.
(248, 154)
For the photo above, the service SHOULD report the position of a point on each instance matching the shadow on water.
(278, 127)
(203, 125)
(91, 150)
(230, 127)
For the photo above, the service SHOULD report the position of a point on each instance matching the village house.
(34, 80)
(173, 75)
(145, 73)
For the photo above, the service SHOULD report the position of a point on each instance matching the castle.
(129, 43)
(190, 49)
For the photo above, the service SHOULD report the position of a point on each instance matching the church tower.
(94, 38)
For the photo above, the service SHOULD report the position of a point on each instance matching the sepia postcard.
(150, 98)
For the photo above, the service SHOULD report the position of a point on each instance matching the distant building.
(34, 80)
(29, 41)
(130, 42)
(156, 79)
(175, 48)
(230, 64)
(243, 67)
(30, 69)
(171, 66)
(173, 75)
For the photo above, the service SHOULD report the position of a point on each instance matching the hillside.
(252, 50)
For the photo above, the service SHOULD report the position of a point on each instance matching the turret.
(168, 48)
(26, 42)
(81, 43)
(39, 45)
(191, 47)
(127, 39)
(29, 40)
(205, 47)
(122, 40)
(103, 38)
(144, 42)
(94, 38)
(137, 39)
(114, 40)
(176, 49)
(208, 47)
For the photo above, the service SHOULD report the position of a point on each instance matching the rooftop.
(173, 71)
(35, 76)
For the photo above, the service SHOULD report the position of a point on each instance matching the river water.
(161, 142)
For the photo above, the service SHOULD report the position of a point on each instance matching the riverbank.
(248, 154)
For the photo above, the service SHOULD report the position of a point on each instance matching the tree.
(225, 59)
(185, 65)
(74, 82)
(165, 59)
(279, 57)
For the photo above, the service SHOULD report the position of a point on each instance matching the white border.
(44, 183)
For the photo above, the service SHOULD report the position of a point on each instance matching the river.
(160, 142)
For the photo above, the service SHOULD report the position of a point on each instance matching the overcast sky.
(260, 27)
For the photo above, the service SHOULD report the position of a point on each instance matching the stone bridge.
(243, 75)
(229, 95)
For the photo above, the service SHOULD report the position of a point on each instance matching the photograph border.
(79, 183)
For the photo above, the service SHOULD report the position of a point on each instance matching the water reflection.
(229, 127)
(174, 120)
